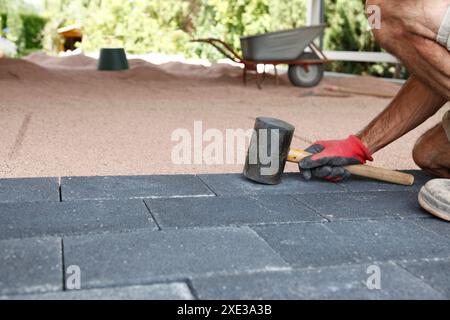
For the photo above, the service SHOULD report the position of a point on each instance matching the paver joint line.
(311, 208)
(59, 190)
(418, 278)
(151, 215)
(63, 266)
(192, 288)
(207, 185)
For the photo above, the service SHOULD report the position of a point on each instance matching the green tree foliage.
(14, 25)
(23, 26)
(348, 30)
(2, 22)
(228, 20)
(166, 26)
(140, 26)
(32, 25)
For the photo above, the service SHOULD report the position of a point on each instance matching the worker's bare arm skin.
(414, 104)
(409, 31)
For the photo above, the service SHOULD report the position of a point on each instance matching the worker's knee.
(421, 157)
(430, 149)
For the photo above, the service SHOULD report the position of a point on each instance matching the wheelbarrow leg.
(258, 83)
(244, 75)
(276, 75)
(264, 73)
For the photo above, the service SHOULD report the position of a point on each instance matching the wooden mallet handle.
(296, 155)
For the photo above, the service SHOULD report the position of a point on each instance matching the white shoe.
(434, 197)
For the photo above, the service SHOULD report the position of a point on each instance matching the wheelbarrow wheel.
(306, 77)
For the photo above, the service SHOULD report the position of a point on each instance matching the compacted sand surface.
(59, 116)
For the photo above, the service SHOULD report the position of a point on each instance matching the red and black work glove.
(330, 157)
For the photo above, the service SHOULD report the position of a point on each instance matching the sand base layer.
(59, 116)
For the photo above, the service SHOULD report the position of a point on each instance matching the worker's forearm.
(414, 104)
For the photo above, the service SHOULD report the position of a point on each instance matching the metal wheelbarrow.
(283, 47)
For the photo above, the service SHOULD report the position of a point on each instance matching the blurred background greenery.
(166, 26)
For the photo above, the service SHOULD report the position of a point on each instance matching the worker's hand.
(330, 157)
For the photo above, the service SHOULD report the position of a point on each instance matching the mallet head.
(268, 150)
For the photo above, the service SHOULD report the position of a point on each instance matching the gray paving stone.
(353, 242)
(29, 189)
(229, 258)
(140, 257)
(347, 282)
(292, 183)
(162, 291)
(223, 211)
(131, 187)
(435, 272)
(30, 265)
(306, 245)
(391, 240)
(365, 205)
(358, 184)
(21, 220)
(435, 225)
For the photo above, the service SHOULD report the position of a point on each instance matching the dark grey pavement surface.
(218, 237)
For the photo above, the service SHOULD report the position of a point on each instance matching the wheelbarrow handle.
(223, 48)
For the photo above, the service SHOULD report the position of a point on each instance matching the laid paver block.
(132, 187)
(353, 242)
(365, 205)
(223, 211)
(435, 225)
(434, 272)
(391, 240)
(22, 220)
(344, 282)
(139, 257)
(30, 265)
(306, 245)
(359, 184)
(160, 291)
(29, 189)
(292, 183)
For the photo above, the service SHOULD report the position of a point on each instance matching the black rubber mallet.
(269, 151)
